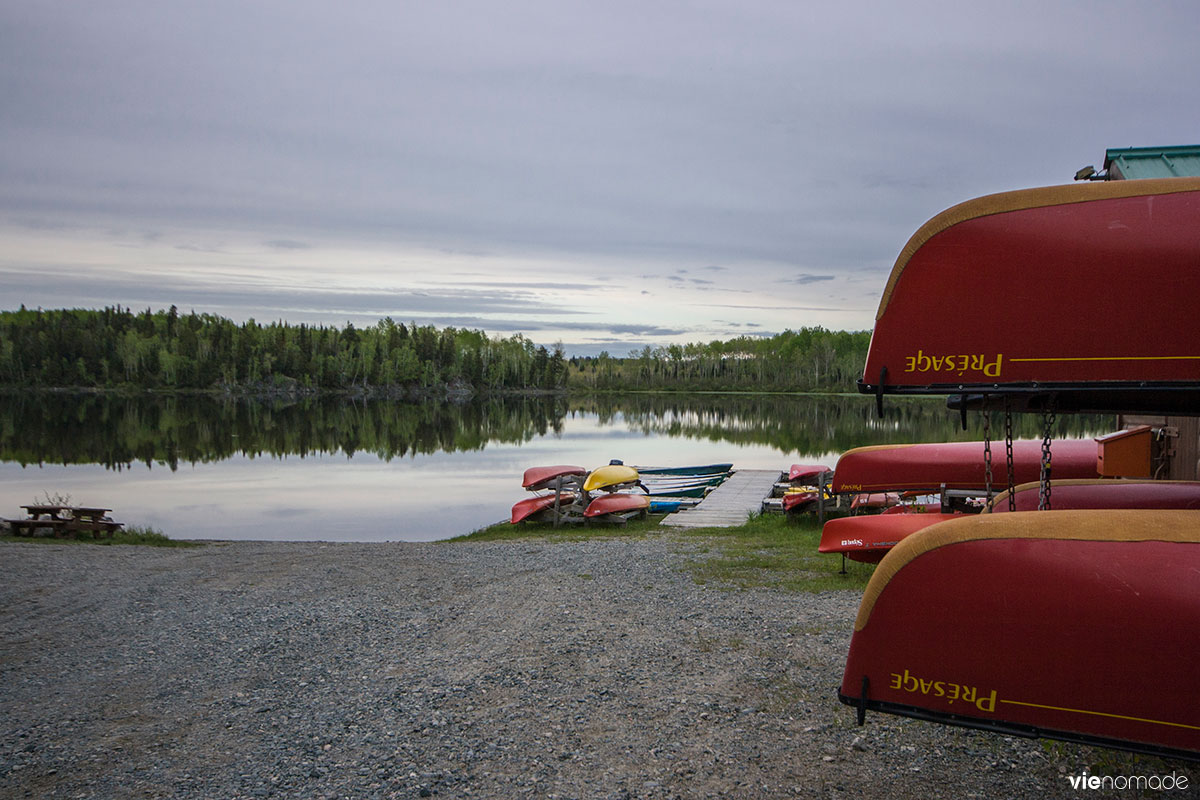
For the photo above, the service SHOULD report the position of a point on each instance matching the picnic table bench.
(63, 520)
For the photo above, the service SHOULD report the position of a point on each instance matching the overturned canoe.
(617, 503)
(874, 501)
(610, 478)
(536, 478)
(532, 508)
(673, 486)
(1106, 493)
(797, 499)
(694, 491)
(680, 481)
(869, 538)
(669, 505)
(956, 465)
(1074, 625)
(800, 473)
(703, 469)
(1107, 249)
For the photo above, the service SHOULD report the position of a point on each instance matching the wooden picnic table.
(64, 519)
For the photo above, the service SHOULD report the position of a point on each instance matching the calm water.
(379, 471)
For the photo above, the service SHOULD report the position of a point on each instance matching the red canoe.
(874, 500)
(1105, 494)
(532, 506)
(869, 538)
(796, 500)
(616, 503)
(957, 465)
(544, 477)
(1075, 625)
(1044, 254)
(800, 473)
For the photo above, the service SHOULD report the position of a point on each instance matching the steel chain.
(1044, 488)
(987, 454)
(1008, 457)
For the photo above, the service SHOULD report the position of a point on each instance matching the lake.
(328, 468)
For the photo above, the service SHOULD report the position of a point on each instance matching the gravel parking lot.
(588, 669)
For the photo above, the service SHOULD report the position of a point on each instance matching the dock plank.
(731, 503)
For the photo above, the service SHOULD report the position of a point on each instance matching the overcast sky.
(604, 174)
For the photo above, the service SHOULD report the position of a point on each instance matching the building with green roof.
(1134, 163)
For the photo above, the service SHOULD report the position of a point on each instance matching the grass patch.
(506, 531)
(769, 550)
(133, 535)
(772, 551)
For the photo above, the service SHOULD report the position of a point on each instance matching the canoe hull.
(1076, 241)
(1074, 625)
(869, 538)
(874, 501)
(544, 477)
(616, 503)
(1065, 495)
(610, 478)
(694, 492)
(797, 500)
(799, 473)
(704, 469)
(957, 465)
(532, 508)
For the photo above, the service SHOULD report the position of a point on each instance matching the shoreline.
(590, 668)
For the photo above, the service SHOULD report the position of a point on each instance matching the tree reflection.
(818, 424)
(119, 431)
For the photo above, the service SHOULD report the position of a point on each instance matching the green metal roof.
(1132, 163)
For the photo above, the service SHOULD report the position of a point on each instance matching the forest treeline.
(116, 348)
(119, 348)
(804, 360)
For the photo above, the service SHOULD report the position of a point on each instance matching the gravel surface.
(594, 669)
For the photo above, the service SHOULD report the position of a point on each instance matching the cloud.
(50, 287)
(611, 141)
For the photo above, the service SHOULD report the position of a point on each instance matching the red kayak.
(869, 538)
(873, 501)
(1075, 625)
(797, 500)
(957, 465)
(1104, 494)
(617, 503)
(544, 477)
(1009, 273)
(801, 473)
(533, 507)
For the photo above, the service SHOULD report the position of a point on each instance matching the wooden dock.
(731, 503)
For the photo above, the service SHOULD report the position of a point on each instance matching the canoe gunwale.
(1116, 525)
(1011, 728)
(1180, 398)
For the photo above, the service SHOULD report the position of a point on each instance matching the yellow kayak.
(610, 477)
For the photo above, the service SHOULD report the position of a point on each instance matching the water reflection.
(811, 425)
(118, 432)
(203, 467)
